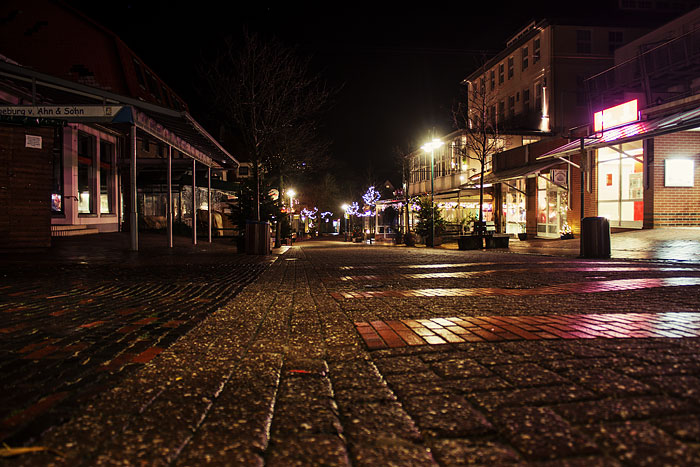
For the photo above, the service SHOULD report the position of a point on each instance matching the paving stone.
(459, 368)
(539, 433)
(608, 382)
(623, 409)
(397, 365)
(391, 452)
(471, 385)
(550, 395)
(462, 452)
(446, 415)
(527, 374)
(677, 385)
(303, 450)
(684, 427)
(364, 422)
(639, 443)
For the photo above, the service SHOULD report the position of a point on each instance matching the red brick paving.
(411, 332)
(575, 287)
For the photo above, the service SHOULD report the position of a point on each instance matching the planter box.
(497, 241)
(522, 236)
(470, 242)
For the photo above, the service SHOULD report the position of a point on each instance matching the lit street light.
(290, 194)
(432, 146)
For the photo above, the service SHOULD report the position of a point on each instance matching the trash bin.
(595, 237)
(257, 238)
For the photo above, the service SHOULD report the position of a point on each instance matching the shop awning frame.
(631, 132)
(175, 128)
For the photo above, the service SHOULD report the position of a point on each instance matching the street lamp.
(432, 146)
(290, 194)
(345, 207)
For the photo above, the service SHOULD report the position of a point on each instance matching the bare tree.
(475, 116)
(403, 157)
(266, 95)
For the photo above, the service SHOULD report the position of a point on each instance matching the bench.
(484, 236)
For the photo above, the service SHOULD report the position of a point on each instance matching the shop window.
(620, 184)
(57, 173)
(583, 41)
(86, 173)
(525, 58)
(515, 206)
(536, 50)
(107, 178)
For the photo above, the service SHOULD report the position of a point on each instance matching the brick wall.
(25, 188)
(676, 206)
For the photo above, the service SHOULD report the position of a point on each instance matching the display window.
(620, 184)
(552, 207)
(86, 173)
(515, 206)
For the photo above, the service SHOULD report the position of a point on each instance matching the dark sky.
(400, 66)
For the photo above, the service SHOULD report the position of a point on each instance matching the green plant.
(427, 214)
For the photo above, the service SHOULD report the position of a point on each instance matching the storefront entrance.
(552, 204)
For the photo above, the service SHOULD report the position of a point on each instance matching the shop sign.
(60, 111)
(559, 176)
(614, 116)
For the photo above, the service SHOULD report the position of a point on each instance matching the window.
(580, 91)
(107, 179)
(482, 86)
(536, 50)
(583, 41)
(492, 114)
(511, 106)
(510, 67)
(86, 173)
(501, 68)
(145, 144)
(139, 74)
(525, 57)
(526, 100)
(153, 86)
(615, 40)
(501, 111)
(538, 96)
(243, 170)
(492, 79)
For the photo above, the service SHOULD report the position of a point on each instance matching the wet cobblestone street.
(337, 355)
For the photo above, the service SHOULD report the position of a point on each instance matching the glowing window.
(679, 172)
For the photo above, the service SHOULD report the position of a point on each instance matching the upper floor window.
(511, 106)
(526, 99)
(615, 40)
(536, 50)
(525, 57)
(583, 41)
(538, 96)
(510, 67)
(492, 80)
(501, 68)
(139, 74)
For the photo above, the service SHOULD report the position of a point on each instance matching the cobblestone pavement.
(287, 374)
(72, 326)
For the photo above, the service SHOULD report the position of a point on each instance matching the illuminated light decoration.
(614, 116)
(353, 209)
(371, 196)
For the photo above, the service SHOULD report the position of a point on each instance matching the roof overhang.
(635, 131)
(63, 100)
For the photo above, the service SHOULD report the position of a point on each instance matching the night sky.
(399, 66)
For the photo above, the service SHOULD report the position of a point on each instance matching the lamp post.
(290, 194)
(345, 210)
(432, 146)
